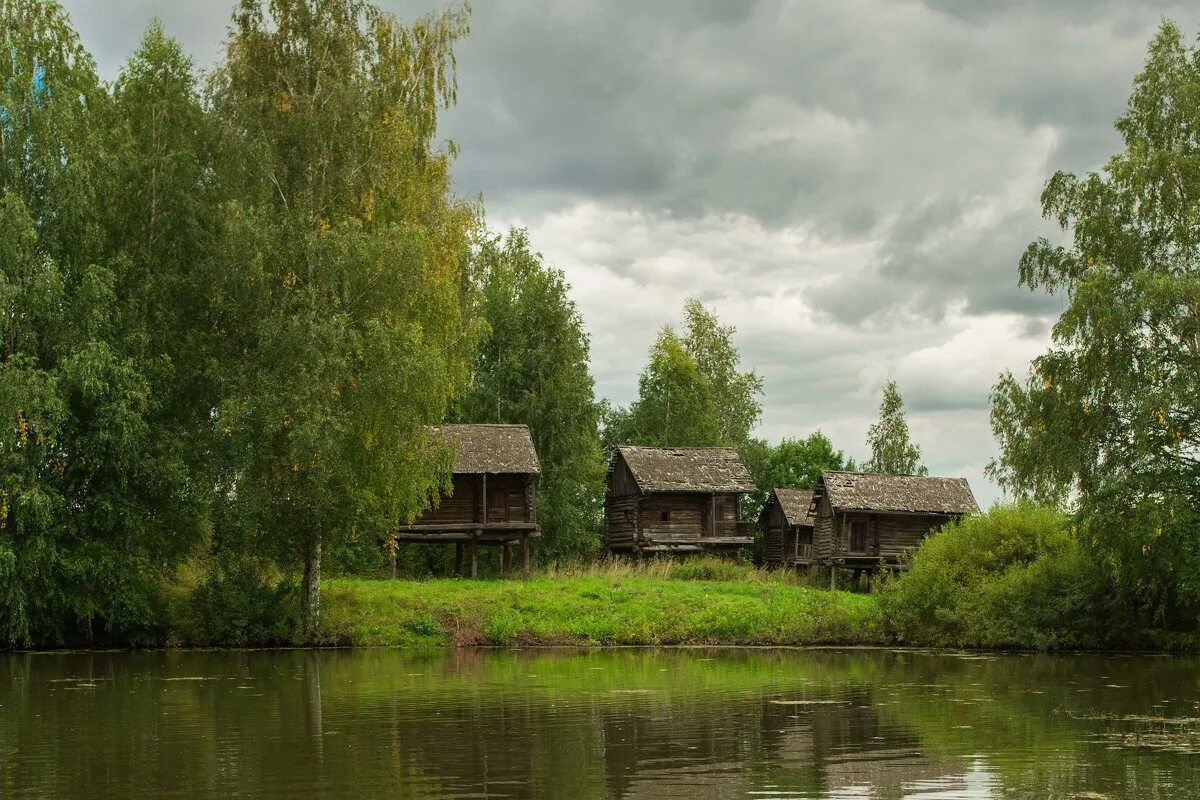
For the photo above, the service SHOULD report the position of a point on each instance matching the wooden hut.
(867, 521)
(494, 496)
(675, 499)
(787, 528)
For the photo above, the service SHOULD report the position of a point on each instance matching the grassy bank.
(595, 609)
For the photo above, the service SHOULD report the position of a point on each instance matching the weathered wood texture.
(510, 498)
(681, 520)
(868, 538)
(786, 543)
(621, 522)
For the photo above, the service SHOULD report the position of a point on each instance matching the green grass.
(617, 606)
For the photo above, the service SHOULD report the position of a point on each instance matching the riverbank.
(595, 610)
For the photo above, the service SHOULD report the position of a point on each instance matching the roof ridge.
(480, 425)
(676, 447)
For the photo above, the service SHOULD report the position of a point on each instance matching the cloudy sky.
(851, 183)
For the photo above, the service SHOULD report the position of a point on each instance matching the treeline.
(232, 306)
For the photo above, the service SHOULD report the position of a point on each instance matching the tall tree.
(95, 501)
(892, 451)
(344, 286)
(1110, 415)
(532, 367)
(692, 391)
(799, 462)
(796, 463)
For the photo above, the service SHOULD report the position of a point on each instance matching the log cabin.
(675, 499)
(493, 500)
(787, 528)
(865, 522)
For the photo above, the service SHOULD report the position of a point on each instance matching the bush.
(1013, 577)
(239, 605)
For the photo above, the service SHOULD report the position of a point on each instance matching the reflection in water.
(597, 724)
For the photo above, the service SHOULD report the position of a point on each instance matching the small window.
(665, 516)
(628, 515)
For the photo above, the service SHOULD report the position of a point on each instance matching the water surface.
(693, 724)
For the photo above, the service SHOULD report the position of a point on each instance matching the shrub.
(1013, 577)
(239, 605)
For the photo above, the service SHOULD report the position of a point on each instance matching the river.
(634, 723)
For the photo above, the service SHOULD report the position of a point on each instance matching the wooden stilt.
(474, 553)
(458, 558)
(392, 565)
(505, 559)
(812, 572)
(525, 557)
(832, 578)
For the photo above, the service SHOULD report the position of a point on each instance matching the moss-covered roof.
(918, 494)
(490, 448)
(687, 469)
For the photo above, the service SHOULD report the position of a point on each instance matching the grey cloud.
(910, 140)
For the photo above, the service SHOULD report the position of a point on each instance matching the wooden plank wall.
(824, 531)
(773, 535)
(459, 507)
(687, 517)
(888, 535)
(510, 499)
(620, 522)
(620, 479)
(507, 498)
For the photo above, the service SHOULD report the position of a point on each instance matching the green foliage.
(96, 501)
(344, 274)
(531, 367)
(892, 452)
(691, 392)
(1013, 577)
(596, 609)
(238, 604)
(796, 463)
(1110, 416)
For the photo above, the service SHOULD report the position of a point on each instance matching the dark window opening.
(665, 516)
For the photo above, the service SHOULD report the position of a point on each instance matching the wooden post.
(392, 564)
(812, 572)
(712, 517)
(525, 557)
(474, 554)
(832, 577)
(483, 501)
(505, 559)
(458, 558)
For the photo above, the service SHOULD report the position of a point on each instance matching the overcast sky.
(851, 183)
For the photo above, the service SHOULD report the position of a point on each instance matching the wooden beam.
(505, 559)
(474, 557)
(458, 558)
(832, 577)
(392, 564)
(524, 558)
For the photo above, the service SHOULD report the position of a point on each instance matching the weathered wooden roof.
(687, 469)
(857, 491)
(490, 448)
(795, 505)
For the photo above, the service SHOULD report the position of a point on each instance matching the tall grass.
(698, 568)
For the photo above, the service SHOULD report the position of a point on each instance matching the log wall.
(888, 536)
(620, 522)
(510, 498)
